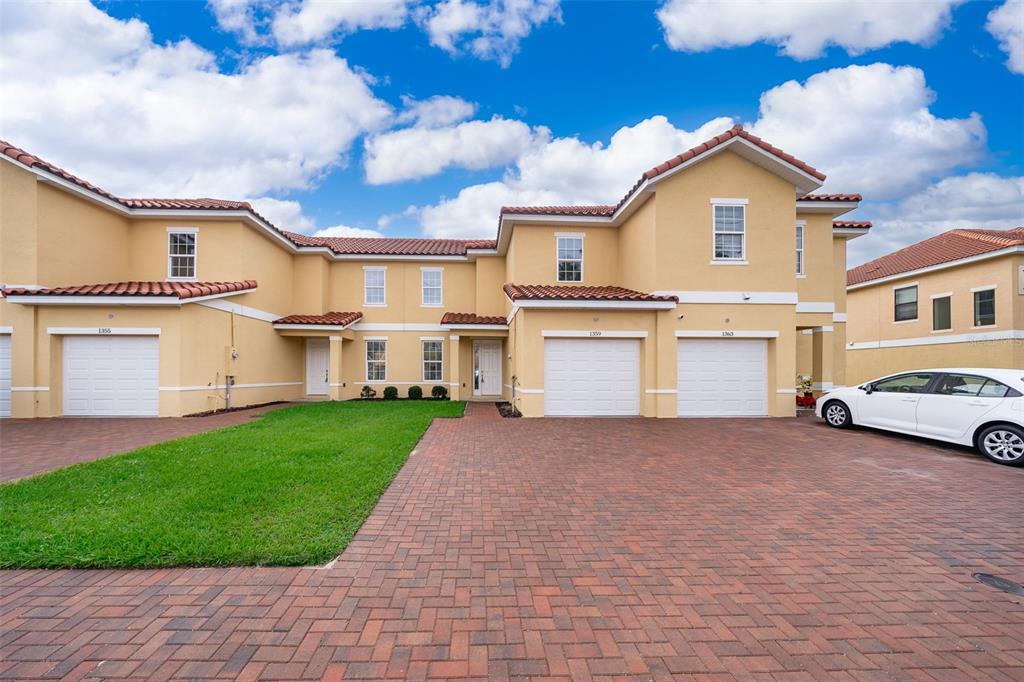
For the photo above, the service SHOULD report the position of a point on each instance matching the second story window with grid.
(181, 253)
(431, 280)
(730, 232)
(799, 248)
(373, 286)
(570, 259)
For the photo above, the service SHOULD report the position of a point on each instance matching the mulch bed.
(507, 410)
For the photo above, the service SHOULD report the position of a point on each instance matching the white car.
(983, 408)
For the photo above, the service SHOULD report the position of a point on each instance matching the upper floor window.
(799, 248)
(181, 252)
(985, 307)
(942, 320)
(431, 280)
(905, 302)
(373, 286)
(730, 232)
(570, 258)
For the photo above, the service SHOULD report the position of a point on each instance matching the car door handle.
(910, 400)
(978, 403)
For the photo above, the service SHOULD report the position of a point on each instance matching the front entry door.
(318, 360)
(487, 367)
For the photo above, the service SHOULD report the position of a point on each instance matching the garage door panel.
(111, 376)
(5, 375)
(591, 377)
(722, 377)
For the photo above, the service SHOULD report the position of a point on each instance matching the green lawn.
(290, 488)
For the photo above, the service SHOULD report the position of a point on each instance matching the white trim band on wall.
(1009, 334)
(661, 391)
(220, 387)
(786, 391)
(815, 307)
(728, 334)
(742, 297)
(6, 330)
(839, 317)
(594, 334)
(29, 389)
(103, 331)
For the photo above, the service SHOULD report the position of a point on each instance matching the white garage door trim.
(719, 377)
(586, 377)
(5, 375)
(111, 376)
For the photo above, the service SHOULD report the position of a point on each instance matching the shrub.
(439, 393)
(390, 393)
(415, 393)
(367, 393)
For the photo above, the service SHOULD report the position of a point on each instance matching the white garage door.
(111, 376)
(723, 377)
(5, 375)
(591, 377)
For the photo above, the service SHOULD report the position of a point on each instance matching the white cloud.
(287, 215)
(310, 21)
(975, 200)
(437, 111)
(802, 29)
(139, 118)
(1006, 24)
(565, 170)
(869, 129)
(489, 30)
(414, 153)
(238, 17)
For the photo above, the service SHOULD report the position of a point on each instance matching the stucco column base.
(454, 363)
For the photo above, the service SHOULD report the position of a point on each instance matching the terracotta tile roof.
(852, 224)
(944, 248)
(830, 197)
(333, 319)
(396, 246)
(598, 210)
(528, 292)
(203, 204)
(605, 210)
(181, 290)
(471, 318)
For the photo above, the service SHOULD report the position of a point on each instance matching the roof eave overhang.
(1009, 251)
(314, 327)
(115, 300)
(833, 208)
(472, 327)
(568, 304)
(849, 233)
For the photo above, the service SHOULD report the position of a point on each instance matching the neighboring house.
(685, 298)
(955, 300)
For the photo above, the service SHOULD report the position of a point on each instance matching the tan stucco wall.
(866, 364)
(534, 260)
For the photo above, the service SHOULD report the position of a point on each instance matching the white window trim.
(935, 297)
(742, 260)
(801, 226)
(194, 231)
(366, 359)
(906, 286)
(423, 357)
(423, 288)
(369, 268)
(987, 287)
(569, 235)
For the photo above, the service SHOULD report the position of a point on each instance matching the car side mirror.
(868, 389)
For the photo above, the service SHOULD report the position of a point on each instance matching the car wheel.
(837, 414)
(1003, 444)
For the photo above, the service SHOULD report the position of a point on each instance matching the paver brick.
(589, 549)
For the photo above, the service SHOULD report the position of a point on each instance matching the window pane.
(729, 218)
(729, 246)
(570, 248)
(960, 384)
(940, 314)
(376, 368)
(984, 308)
(906, 303)
(993, 389)
(570, 271)
(432, 362)
(907, 383)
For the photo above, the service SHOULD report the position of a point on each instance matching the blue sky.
(322, 114)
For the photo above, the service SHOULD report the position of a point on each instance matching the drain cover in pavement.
(999, 583)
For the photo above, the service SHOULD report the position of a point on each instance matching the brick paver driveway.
(32, 446)
(591, 548)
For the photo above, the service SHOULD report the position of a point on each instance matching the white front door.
(318, 362)
(5, 375)
(586, 377)
(487, 367)
(892, 403)
(111, 376)
(722, 377)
